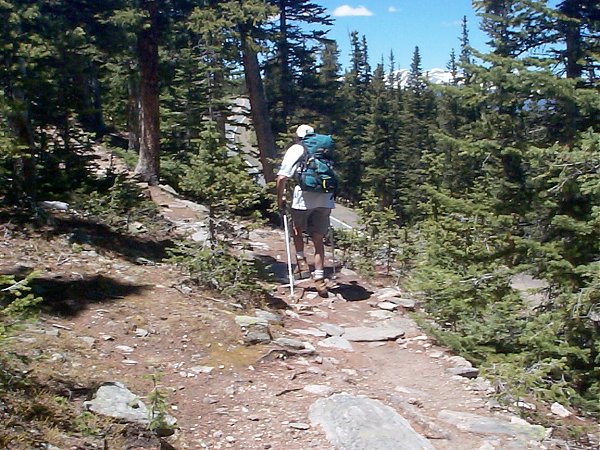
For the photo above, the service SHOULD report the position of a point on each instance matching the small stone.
(140, 332)
(248, 321)
(88, 340)
(387, 306)
(404, 303)
(257, 335)
(202, 369)
(467, 372)
(58, 357)
(525, 405)
(336, 342)
(269, 316)
(299, 425)
(124, 349)
(290, 343)
(332, 329)
(458, 361)
(559, 410)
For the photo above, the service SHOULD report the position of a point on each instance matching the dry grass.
(41, 400)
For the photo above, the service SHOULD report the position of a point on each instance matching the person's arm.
(287, 170)
(281, 180)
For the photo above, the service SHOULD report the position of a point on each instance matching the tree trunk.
(24, 181)
(91, 114)
(133, 114)
(572, 34)
(148, 165)
(259, 109)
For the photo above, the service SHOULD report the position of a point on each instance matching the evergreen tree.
(580, 27)
(466, 53)
(352, 126)
(382, 139)
(293, 56)
(49, 77)
(453, 67)
(219, 179)
(326, 104)
(502, 199)
(418, 118)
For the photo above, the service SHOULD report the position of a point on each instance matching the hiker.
(310, 212)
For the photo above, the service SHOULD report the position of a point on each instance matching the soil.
(114, 288)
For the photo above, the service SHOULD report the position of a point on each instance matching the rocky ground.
(352, 371)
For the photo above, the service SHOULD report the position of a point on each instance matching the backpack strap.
(300, 163)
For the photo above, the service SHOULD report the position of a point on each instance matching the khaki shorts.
(313, 221)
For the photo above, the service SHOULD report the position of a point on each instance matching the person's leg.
(319, 250)
(300, 218)
(318, 223)
(319, 273)
(298, 239)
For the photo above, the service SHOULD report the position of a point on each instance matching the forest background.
(460, 186)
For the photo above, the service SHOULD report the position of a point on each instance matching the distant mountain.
(435, 76)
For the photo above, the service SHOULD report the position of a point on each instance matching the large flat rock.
(474, 423)
(360, 423)
(368, 334)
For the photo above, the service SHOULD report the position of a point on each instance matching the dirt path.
(223, 393)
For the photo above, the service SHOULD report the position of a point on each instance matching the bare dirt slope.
(115, 312)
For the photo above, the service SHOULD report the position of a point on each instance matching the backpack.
(315, 170)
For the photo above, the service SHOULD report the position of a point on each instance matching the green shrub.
(215, 267)
(17, 302)
(120, 204)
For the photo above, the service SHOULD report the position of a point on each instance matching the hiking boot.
(302, 268)
(321, 286)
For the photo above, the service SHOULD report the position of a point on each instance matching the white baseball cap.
(303, 130)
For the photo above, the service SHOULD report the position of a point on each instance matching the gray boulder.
(359, 423)
(113, 399)
(367, 334)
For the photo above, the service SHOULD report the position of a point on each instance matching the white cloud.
(347, 10)
(393, 9)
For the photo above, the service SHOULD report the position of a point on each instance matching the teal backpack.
(315, 166)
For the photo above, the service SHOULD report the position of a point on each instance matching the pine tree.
(352, 126)
(418, 113)
(49, 77)
(382, 138)
(507, 190)
(326, 104)
(453, 67)
(297, 36)
(466, 53)
(219, 179)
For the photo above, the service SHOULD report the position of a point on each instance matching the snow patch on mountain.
(435, 76)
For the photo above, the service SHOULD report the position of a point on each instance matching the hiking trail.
(352, 371)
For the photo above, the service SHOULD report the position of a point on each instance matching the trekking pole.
(331, 231)
(288, 252)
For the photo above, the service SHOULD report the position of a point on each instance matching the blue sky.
(400, 25)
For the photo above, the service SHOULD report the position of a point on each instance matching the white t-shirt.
(303, 200)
